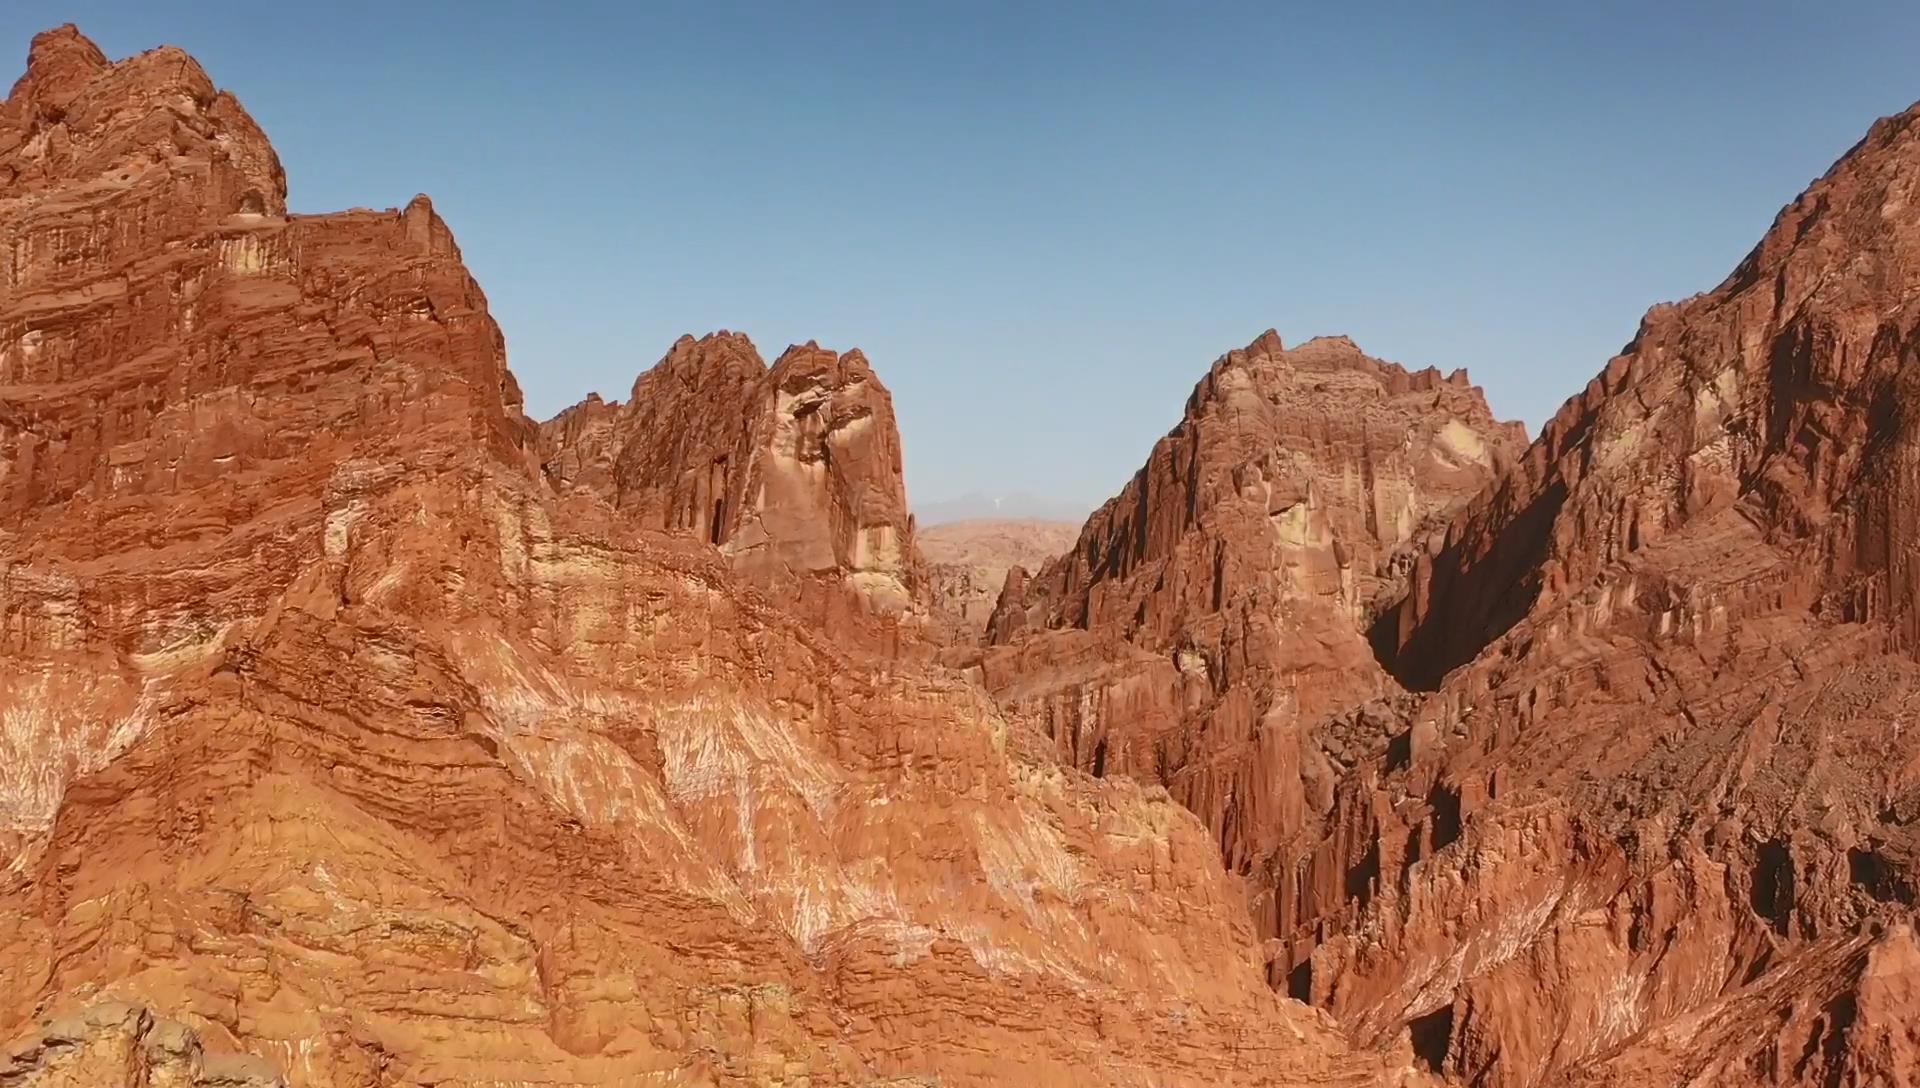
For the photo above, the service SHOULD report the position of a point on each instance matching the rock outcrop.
(356, 730)
(1208, 630)
(337, 732)
(968, 561)
(1661, 793)
(793, 471)
(116, 1045)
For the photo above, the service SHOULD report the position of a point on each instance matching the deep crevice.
(1432, 1037)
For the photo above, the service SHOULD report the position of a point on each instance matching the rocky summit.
(358, 730)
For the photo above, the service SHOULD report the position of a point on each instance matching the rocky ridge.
(1208, 630)
(351, 724)
(1661, 782)
(355, 729)
(793, 471)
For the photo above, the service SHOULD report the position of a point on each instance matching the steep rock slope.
(794, 471)
(336, 733)
(1658, 814)
(968, 562)
(1207, 631)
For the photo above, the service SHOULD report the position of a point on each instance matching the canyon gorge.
(358, 729)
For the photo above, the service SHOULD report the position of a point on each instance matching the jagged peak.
(719, 344)
(1333, 342)
(1267, 343)
(103, 104)
(797, 353)
(1327, 354)
(61, 44)
(59, 62)
(811, 364)
(697, 361)
(1874, 165)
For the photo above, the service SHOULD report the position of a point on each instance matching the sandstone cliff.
(1207, 632)
(1659, 808)
(794, 471)
(336, 732)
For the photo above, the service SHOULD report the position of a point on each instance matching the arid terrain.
(357, 729)
(969, 562)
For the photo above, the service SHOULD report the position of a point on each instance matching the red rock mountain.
(338, 731)
(1664, 781)
(794, 471)
(357, 730)
(1208, 631)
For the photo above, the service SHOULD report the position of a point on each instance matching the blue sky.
(1042, 222)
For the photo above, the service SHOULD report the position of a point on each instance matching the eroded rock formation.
(1664, 788)
(337, 732)
(794, 471)
(355, 730)
(117, 1045)
(1207, 632)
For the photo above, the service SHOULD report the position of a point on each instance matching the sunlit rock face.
(1208, 630)
(794, 471)
(1660, 787)
(353, 723)
(356, 730)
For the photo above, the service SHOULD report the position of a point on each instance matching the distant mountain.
(1018, 505)
(968, 561)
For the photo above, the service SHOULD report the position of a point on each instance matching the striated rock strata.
(356, 730)
(353, 721)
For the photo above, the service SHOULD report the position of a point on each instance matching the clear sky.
(1043, 221)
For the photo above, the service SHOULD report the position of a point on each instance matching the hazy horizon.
(1043, 225)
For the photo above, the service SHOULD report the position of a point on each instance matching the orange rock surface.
(1208, 630)
(357, 730)
(341, 732)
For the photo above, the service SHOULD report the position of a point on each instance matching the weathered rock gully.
(353, 721)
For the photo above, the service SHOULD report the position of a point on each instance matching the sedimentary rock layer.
(342, 732)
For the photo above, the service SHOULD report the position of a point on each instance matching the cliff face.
(197, 389)
(1663, 788)
(1207, 632)
(338, 731)
(794, 471)
(1781, 398)
(355, 730)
